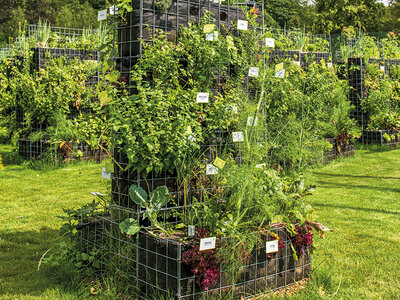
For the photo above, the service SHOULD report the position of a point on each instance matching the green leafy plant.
(152, 204)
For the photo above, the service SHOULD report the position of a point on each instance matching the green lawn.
(30, 202)
(360, 199)
(357, 197)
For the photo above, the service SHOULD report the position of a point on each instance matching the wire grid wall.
(160, 271)
(381, 137)
(43, 56)
(145, 20)
(356, 72)
(63, 31)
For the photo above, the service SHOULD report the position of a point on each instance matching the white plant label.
(211, 170)
(213, 36)
(242, 25)
(260, 166)
(202, 97)
(237, 137)
(102, 15)
(207, 243)
(297, 63)
(113, 10)
(280, 74)
(250, 121)
(330, 65)
(105, 174)
(269, 42)
(254, 71)
(232, 108)
(191, 230)
(382, 68)
(272, 246)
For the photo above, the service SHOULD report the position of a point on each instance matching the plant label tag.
(280, 74)
(237, 137)
(272, 246)
(253, 72)
(191, 230)
(212, 36)
(242, 25)
(251, 121)
(109, 167)
(105, 174)
(382, 68)
(113, 10)
(207, 243)
(297, 63)
(232, 108)
(269, 42)
(330, 65)
(202, 97)
(102, 15)
(260, 166)
(208, 28)
(211, 170)
(219, 163)
(279, 67)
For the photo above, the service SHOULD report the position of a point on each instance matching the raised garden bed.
(337, 149)
(161, 269)
(381, 137)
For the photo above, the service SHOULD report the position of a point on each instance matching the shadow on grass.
(354, 176)
(353, 186)
(357, 208)
(20, 253)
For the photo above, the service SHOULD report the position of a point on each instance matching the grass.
(357, 197)
(30, 202)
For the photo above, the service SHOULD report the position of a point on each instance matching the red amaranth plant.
(202, 263)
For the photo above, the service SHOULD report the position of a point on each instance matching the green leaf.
(104, 98)
(129, 226)
(160, 197)
(138, 195)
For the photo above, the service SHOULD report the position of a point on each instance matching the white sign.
(242, 25)
(297, 63)
(113, 10)
(105, 174)
(250, 121)
(202, 97)
(270, 43)
(207, 243)
(211, 170)
(382, 68)
(102, 15)
(232, 108)
(253, 72)
(280, 74)
(191, 230)
(272, 246)
(212, 36)
(237, 137)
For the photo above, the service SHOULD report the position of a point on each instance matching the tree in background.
(392, 20)
(290, 13)
(332, 15)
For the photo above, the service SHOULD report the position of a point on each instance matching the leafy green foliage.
(152, 204)
(129, 226)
